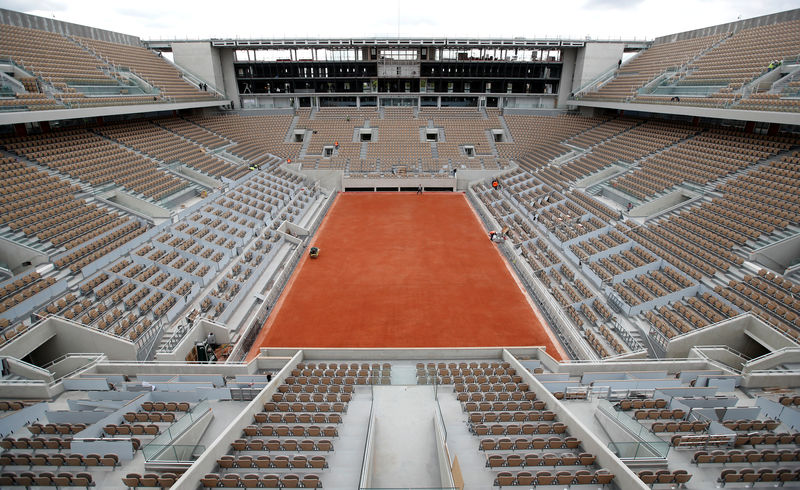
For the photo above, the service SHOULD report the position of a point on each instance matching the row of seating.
(749, 456)
(295, 431)
(310, 407)
(310, 397)
(493, 396)
(273, 461)
(580, 477)
(233, 480)
(521, 443)
(666, 477)
(149, 417)
(41, 459)
(751, 476)
(513, 429)
(518, 416)
(535, 459)
(135, 480)
(36, 443)
(299, 417)
(506, 406)
(46, 479)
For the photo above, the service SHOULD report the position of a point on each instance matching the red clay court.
(403, 270)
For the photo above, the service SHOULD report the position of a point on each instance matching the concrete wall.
(400, 182)
(127, 202)
(565, 86)
(738, 333)
(594, 59)
(12, 255)
(328, 179)
(13, 18)
(201, 59)
(663, 204)
(57, 336)
(778, 256)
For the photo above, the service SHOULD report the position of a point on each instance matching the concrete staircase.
(492, 144)
(306, 142)
(434, 150)
(509, 136)
(290, 131)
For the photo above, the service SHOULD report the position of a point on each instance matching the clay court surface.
(403, 270)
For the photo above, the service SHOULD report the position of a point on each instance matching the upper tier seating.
(147, 65)
(649, 64)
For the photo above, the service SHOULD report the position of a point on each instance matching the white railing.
(597, 81)
(15, 85)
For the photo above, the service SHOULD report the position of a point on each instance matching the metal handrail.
(597, 80)
(169, 363)
(72, 354)
(28, 365)
(82, 368)
(369, 431)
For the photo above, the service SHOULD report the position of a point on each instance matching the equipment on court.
(313, 252)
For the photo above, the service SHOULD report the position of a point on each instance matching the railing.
(179, 453)
(773, 372)
(23, 382)
(367, 443)
(779, 84)
(162, 441)
(27, 365)
(639, 450)
(165, 363)
(725, 366)
(727, 349)
(15, 85)
(92, 362)
(774, 353)
(652, 445)
(72, 354)
(438, 406)
(626, 336)
(149, 341)
(597, 81)
(176, 337)
(621, 360)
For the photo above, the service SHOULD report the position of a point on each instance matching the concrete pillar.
(568, 57)
(229, 77)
